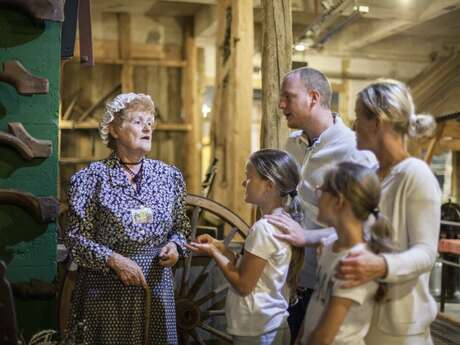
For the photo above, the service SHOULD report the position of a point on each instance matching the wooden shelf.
(78, 160)
(91, 125)
(139, 62)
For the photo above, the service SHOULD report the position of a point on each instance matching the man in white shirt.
(321, 141)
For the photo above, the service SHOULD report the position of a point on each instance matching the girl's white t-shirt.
(265, 308)
(356, 324)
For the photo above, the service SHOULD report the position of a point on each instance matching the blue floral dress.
(104, 311)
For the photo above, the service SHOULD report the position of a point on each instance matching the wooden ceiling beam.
(206, 22)
(379, 30)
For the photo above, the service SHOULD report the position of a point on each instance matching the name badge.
(142, 215)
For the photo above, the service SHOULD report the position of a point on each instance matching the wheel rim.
(194, 316)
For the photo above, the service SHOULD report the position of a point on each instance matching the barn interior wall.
(163, 83)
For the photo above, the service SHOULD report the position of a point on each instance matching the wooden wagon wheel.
(190, 315)
(189, 307)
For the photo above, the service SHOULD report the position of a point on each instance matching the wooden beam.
(124, 51)
(448, 144)
(452, 130)
(380, 29)
(455, 184)
(191, 110)
(109, 49)
(69, 109)
(101, 100)
(93, 124)
(206, 22)
(431, 147)
(163, 63)
(435, 89)
(124, 35)
(276, 62)
(127, 81)
(232, 104)
(377, 31)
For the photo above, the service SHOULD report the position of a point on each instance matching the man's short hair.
(315, 80)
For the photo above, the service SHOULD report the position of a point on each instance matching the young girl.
(349, 195)
(261, 281)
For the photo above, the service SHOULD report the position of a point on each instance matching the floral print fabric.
(101, 221)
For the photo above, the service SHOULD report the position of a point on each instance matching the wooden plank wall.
(142, 68)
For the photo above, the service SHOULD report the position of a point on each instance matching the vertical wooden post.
(127, 84)
(455, 189)
(124, 51)
(124, 35)
(191, 110)
(232, 105)
(433, 142)
(276, 62)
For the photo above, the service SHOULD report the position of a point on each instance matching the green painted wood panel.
(29, 248)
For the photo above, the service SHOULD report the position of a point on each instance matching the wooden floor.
(445, 332)
(446, 328)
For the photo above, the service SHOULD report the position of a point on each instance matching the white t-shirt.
(357, 321)
(265, 308)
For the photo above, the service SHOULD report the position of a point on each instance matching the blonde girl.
(349, 195)
(261, 280)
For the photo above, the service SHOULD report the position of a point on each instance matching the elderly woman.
(411, 200)
(127, 228)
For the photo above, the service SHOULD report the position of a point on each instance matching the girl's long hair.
(360, 186)
(282, 170)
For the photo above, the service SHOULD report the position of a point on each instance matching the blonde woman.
(127, 228)
(411, 200)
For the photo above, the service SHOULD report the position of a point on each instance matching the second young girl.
(349, 195)
(261, 280)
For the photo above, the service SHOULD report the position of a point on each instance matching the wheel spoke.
(197, 337)
(214, 293)
(197, 284)
(190, 287)
(199, 281)
(216, 332)
(194, 222)
(212, 312)
(183, 337)
(230, 236)
(188, 260)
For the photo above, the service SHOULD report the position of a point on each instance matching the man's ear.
(315, 98)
